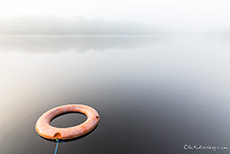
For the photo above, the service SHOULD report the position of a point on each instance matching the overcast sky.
(178, 15)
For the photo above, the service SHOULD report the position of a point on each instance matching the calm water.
(154, 94)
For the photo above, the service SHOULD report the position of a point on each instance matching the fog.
(115, 17)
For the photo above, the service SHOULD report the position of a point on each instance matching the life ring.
(45, 130)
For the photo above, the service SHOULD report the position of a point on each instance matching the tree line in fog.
(50, 25)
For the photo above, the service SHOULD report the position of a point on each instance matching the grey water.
(155, 94)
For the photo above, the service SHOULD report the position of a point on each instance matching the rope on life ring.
(47, 131)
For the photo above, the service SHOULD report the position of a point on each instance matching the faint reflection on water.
(57, 44)
(153, 94)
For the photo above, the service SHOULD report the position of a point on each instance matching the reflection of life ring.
(44, 128)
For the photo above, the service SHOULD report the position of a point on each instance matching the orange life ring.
(45, 130)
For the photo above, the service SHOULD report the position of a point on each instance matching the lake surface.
(154, 94)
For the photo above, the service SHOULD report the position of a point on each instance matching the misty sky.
(176, 15)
